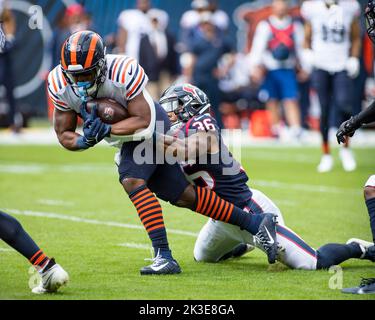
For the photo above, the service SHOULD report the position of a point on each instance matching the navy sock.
(150, 213)
(371, 211)
(14, 235)
(211, 205)
(333, 254)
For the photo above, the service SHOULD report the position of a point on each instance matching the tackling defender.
(87, 73)
(346, 130)
(197, 143)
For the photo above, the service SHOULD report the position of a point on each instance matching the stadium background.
(39, 185)
(31, 64)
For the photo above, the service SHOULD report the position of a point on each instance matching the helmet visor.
(170, 105)
(83, 76)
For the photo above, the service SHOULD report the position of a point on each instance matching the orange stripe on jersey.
(90, 55)
(54, 82)
(114, 69)
(137, 83)
(126, 70)
(73, 53)
(64, 80)
(57, 101)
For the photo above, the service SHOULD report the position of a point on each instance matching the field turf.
(74, 207)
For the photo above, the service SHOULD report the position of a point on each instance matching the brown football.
(109, 111)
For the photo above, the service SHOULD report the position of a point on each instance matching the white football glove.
(353, 67)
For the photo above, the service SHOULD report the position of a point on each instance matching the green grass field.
(74, 207)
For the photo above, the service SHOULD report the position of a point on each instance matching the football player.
(346, 130)
(86, 72)
(206, 161)
(53, 276)
(333, 43)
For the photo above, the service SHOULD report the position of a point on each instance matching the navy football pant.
(334, 91)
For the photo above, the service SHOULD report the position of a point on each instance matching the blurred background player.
(6, 75)
(53, 276)
(208, 45)
(273, 61)
(197, 142)
(333, 46)
(346, 130)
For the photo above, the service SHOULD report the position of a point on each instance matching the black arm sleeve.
(366, 116)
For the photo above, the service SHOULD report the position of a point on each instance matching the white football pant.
(218, 238)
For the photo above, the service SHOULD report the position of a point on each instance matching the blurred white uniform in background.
(331, 28)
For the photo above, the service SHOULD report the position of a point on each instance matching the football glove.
(347, 129)
(353, 67)
(94, 130)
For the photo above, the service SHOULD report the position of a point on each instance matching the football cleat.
(368, 248)
(347, 158)
(52, 279)
(326, 164)
(266, 237)
(367, 286)
(161, 266)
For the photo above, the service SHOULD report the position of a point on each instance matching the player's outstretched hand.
(347, 129)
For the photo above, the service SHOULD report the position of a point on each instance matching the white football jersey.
(125, 80)
(331, 29)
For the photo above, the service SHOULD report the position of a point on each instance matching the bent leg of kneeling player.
(217, 239)
(369, 193)
(295, 252)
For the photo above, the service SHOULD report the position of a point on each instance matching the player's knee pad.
(9, 227)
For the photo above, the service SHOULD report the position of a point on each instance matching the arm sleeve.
(135, 80)
(366, 116)
(259, 44)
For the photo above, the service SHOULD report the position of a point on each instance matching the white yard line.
(135, 245)
(305, 187)
(6, 250)
(52, 215)
(52, 202)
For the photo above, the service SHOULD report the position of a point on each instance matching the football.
(109, 111)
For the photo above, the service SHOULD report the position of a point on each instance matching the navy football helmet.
(186, 101)
(83, 57)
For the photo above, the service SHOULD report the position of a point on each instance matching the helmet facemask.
(86, 83)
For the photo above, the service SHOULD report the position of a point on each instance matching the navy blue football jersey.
(219, 172)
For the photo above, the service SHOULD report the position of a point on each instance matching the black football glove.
(347, 129)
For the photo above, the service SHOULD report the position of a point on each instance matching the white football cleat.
(364, 245)
(326, 163)
(52, 280)
(347, 158)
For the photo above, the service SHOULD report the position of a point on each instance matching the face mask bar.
(370, 21)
